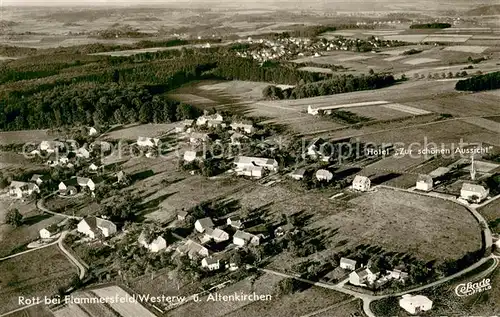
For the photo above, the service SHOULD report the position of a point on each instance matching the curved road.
(40, 205)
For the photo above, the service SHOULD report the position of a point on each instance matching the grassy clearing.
(37, 273)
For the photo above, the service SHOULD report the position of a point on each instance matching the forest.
(68, 88)
(435, 25)
(479, 82)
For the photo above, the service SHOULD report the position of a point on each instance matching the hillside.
(484, 10)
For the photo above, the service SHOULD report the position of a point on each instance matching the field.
(132, 132)
(21, 137)
(34, 311)
(37, 273)
(467, 48)
(317, 69)
(491, 212)
(13, 240)
(421, 60)
(126, 309)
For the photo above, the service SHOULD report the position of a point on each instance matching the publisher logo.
(468, 289)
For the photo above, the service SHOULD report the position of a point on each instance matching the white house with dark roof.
(473, 192)
(49, 232)
(155, 245)
(253, 166)
(210, 263)
(202, 224)
(235, 222)
(363, 276)
(216, 234)
(424, 183)
(192, 249)
(246, 127)
(242, 238)
(96, 227)
(19, 189)
(415, 304)
(361, 183)
(348, 264)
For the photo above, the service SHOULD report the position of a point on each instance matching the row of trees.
(336, 85)
(480, 82)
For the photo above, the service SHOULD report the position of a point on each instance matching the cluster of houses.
(369, 276)
(291, 47)
(76, 184)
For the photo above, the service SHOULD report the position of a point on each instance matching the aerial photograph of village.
(266, 158)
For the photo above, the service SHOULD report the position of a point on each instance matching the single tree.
(14, 218)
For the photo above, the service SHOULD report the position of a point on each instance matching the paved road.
(82, 268)
(40, 205)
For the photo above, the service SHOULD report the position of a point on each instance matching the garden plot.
(467, 48)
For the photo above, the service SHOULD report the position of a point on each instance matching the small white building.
(96, 227)
(210, 120)
(324, 175)
(348, 264)
(92, 131)
(473, 192)
(424, 183)
(48, 232)
(22, 189)
(210, 263)
(51, 146)
(202, 224)
(39, 179)
(363, 276)
(242, 238)
(181, 215)
(415, 304)
(83, 153)
(93, 167)
(247, 128)
(246, 162)
(216, 234)
(197, 138)
(191, 156)
(85, 182)
(156, 245)
(361, 183)
(147, 142)
(235, 222)
(298, 174)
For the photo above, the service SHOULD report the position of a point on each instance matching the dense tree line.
(335, 85)
(436, 25)
(481, 82)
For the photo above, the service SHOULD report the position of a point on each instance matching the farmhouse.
(85, 182)
(473, 192)
(202, 224)
(39, 179)
(361, 183)
(246, 162)
(181, 215)
(424, 183)
(193, 249)
(210, 120)
(68, 187)
(216, 234)
(83, 153)
(235, 222)
(22, 189)
(363, 276)
(93, 167)
(237, 138)
(324, 175)
(157, 244)
(313, 150)
(96, 227)
(183, 125)
(415, 304)
(51, 146)
(49, 232)
(198, 138)
(298, 174)
(210, 263)
(242, 238)
(147, 142)
(247, 128)
(191, 156)
(347, 264)
(92, 131)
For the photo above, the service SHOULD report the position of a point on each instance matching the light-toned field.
(125, 309)
(407, 109)
(334, 58)
(484, 123)
(420, 60)
(24, 136)
(317, 70)
(70, 310)
(132, 132)
(395, 163)
(34, 311)
(376, 112)
(245, 90)
(37, 273)
(467, 48)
